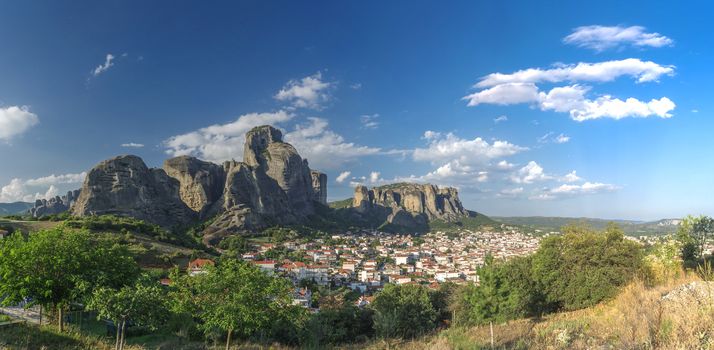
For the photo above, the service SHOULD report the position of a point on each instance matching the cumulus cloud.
(571, 177)
(132, 145)
(220, 142)
(600, 38)
(309, 92)
(572, 99)
(15, 120)
(369, 121)
(568, 190)
(641, 71)
(530, 173)
(343, 176)
(510, 192)
(504, 94)
(39, 188)
(451, 147)
(324, 148)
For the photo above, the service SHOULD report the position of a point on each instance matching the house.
(266, 265)
(4, 234)
(198, 266)
(302, 297)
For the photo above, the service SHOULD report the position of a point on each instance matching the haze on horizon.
(597, 110)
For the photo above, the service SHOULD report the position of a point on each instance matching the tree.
(403, 311)
(234, 297)
(693, 234)
(56, 267)
(141, 303)
(583, 267)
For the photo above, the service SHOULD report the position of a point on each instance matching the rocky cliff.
(55, 205)
(273, 185)
(409, 205)
(125, 186)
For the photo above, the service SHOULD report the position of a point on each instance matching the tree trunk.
(491, 326)
(228, 340)
(60, 319)
(116, 343)
(40, 315)
(123, 331)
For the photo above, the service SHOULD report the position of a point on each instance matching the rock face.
(319, 187)
(201, 183)
(55, 205)
(273, 185)
(409, 205)
(125, 186)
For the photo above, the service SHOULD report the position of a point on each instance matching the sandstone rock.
(409, 205)
(125, 186)
(319, 187)
(55, 205)
(201, 183)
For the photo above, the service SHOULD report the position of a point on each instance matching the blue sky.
(612, 120)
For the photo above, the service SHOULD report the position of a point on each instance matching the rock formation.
(201, 183)
(273, 185)
(55, 205)
(319, 187)
(125, 186)
(409, 205)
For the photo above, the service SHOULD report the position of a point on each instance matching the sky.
(594, 109)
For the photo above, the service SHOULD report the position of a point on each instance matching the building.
(198, 266)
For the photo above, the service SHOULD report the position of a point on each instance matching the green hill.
(14, 208)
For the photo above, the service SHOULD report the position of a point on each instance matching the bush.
(404, 311)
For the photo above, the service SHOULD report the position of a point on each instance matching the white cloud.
(108, 63)
(132, 145)
(504, 165)
(39, 188)
(220, 142)
(641, 71)
(550, 137)
(530, 173)
(500, 119)
(374, 177)
(57, 179)
(309, 92)
(324, 148)
(504, 94)
(600, 38)
(571, 177)
(369, 121)
(443, 148)
(572, 100)
(510, 192)
(343, 176)
(356, 86)
(15, 120)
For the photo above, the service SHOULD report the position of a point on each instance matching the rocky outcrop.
(55, 205)
(319, 187)
(200, 183)
(273, 185)
(125, 186)
(409, 205)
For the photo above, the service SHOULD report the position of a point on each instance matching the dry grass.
(638, 318)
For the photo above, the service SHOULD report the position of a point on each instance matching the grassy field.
(27, 226)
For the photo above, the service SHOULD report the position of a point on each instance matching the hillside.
(631, 227)
(14, 208)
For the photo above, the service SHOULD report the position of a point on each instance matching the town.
(366, 260)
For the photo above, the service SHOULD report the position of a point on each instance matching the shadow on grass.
(24, 336)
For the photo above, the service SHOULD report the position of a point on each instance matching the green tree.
(141, 303)
(233, 297)
(403, 311)
(56, 267)
(583, 267)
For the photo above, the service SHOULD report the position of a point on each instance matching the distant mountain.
(14, 208)
(631, 227)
